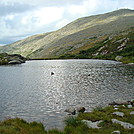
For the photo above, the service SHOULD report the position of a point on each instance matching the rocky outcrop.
(6, 59)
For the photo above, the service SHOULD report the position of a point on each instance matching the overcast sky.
(23, 18)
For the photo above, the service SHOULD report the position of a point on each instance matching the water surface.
(29, 91)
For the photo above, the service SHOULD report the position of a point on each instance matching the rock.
(119, 103)
(71, 111)
(124, 124)
(118, 58)
(81, 109)
(118, 114)
(91, 124)
(52, 73)
(132, 113)
(11, 59)
(115, 108)
(14, 62)
(130, 63)
(116, 132)
(129, 106)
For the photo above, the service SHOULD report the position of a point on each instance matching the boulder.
(132, 113)
(118, 58)
(119, 103)
(118, 114)
(81, 109)
(71, 110)
(14, 62)
(91, 124)
(129, 106)
(126, 125)
(116, 132)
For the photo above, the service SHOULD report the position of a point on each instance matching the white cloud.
(84, 8)
(26, 17)
(43, 16)
(62, 23)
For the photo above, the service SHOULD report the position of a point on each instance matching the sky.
(22, 18)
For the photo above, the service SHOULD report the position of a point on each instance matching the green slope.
(121, 44)
(81, 34)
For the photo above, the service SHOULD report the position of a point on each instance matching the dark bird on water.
(52, 73)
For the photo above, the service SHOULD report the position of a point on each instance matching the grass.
(107, 48)
(74, 125)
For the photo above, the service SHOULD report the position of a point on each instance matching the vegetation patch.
(76, 124)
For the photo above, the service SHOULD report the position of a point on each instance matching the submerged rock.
(71, 111)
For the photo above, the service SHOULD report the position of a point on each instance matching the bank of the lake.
(114, 119)
(8, 59)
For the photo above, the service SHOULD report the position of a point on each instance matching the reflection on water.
(30, 91)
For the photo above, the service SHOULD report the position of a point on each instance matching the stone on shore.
(116, 132)
(126, 125)
(91, 124)
(118, 114)
(71, 110)
(14, 62)
(132, 113)
(81, 109)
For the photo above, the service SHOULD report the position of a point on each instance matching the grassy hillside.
(107, 47)
(79, 35)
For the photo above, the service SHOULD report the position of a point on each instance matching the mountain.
(79, 35)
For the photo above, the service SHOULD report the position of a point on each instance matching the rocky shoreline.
(117, 118)
(10, 59)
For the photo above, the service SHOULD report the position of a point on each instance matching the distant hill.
(81, 34)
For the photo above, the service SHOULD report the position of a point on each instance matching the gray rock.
(14, 62)
(91, 124)
(116, 132)
(81, 109)
(119, 103)
(115, 108)
(118, 114)
(124, 124)
(71, 110)
(118, 58)
(130, 63)
(132, 113)
(129, 106)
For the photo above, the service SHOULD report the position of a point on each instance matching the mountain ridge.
(73, 36)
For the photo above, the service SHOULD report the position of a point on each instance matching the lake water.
(29, 91)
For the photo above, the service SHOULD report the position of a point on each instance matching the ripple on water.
(30, 91)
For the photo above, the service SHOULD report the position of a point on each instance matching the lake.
(29, 91)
